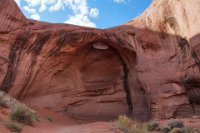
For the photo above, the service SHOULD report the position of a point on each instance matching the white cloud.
(33, 3)
(42, 8)
(18, 2)
(81, 13)
(57, 6)
(119, 1)
(33, 12)
(29, 10)
(94, 12)
(81, 20)
(35, 16)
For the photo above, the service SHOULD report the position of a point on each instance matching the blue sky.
(91, 13)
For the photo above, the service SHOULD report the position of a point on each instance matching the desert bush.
(128, 126)
(188, 129)
(176, 130)
(138, 128)
(165, 129)
(123, 123)
(23, 115)
(153, 126)
(49, 118)
(176, 124)
(13, 127)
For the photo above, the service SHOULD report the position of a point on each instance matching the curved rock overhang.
(52, 54)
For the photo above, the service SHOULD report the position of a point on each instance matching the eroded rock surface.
(143, 68)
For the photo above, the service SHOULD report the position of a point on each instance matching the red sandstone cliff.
(148, 67)
(177, 17)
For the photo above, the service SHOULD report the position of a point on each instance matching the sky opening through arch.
(90, 13)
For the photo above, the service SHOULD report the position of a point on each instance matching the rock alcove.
(101, 77)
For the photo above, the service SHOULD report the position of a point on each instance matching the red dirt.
(60, 124)
(64, 124)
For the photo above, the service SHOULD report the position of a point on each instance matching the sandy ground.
(60, 124)
(98, 127)
(64, 124)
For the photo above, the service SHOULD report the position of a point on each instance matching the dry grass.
(23, 115)
(127, 125)
(12, 126)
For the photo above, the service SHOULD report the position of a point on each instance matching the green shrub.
(176, 124)
(165, 129)
(176, 130)
(124, 123)
(138, 128)
(13, 127)
(188, 129)
(128, 126)
(49, 118)
(153, 126)
(23, 115)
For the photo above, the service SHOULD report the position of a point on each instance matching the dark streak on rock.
(127, 88)
(69, 37)
(61, 41)
(13, 62)
(126, 82)
(196, 58)
(38, 45)
(184, 45)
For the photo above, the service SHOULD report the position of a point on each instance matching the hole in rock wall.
(192, 85)
(192, 88)
(100, 46)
